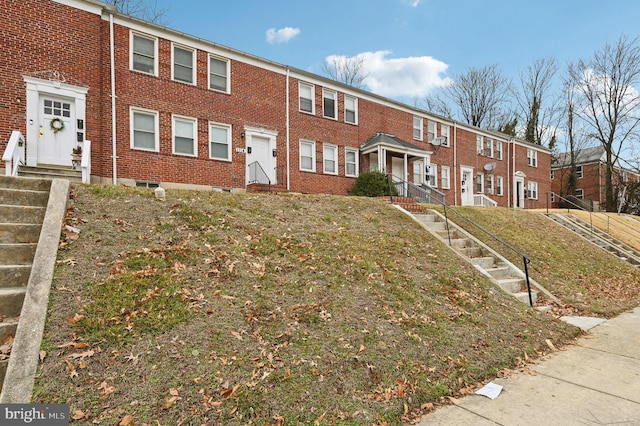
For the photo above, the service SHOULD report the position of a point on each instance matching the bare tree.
(148, 10)
(609, 103)
(478, 96)
(536, 108)
(345, 70)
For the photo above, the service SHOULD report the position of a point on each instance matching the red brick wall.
(38, 38)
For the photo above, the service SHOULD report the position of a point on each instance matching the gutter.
(114, 155)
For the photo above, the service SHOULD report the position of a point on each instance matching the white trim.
(132, 34)
(229, 129)
(227, 76)
(419, 127)
(334, 148)
(334, 96)
(156, 114)
(194, 57)
(442, 175)
(356, 163)
(313, 95)
(313, 155)
(194, 129)
(355, 104)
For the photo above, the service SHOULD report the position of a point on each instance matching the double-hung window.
(144, 53)
(444, 133)
(480, 183)
(431, 131)
(533, 190)
(479, 145)
(330, 159)
(499, 150)
(351, 162)
(184, 64)
(306, 95)
(144, 130)
(417, 128)
(532, 157)
(185, 136)
(490, 184)
(579, 172)
(489, 147)
(220, 141)
(350, 109)
(218, 74)
(307, 156)
(445, 177)
(432, 175)
(418, 172)
(329, 103)
(499, 185)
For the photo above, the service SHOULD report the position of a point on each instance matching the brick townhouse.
(152, 106)
(591, 169)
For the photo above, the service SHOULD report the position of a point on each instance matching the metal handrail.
(442, 201)
(257, 174)
(423, 194)
(15, 154)
(629, 229)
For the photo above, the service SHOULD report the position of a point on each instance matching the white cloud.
(415, 3)
(398, 77)
(282, 35)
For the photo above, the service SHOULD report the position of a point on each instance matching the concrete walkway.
(595, 382)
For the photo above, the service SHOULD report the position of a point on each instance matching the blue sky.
(410, 46)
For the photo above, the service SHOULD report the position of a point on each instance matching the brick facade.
(68, 42)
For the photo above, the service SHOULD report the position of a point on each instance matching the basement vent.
(142, 184)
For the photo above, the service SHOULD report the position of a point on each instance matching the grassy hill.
(215, 308)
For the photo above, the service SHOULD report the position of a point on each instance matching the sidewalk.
(595, 382)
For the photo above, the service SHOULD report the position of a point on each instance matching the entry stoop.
(500, 271)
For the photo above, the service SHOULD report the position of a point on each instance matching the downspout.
(508, 173)
(455, 164)
(288, 135)
(113, 101)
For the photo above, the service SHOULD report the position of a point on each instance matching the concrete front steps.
(500, 271)
(23, 203)
(598, 237)
(406, 203)
(261, 188)
(51, 172)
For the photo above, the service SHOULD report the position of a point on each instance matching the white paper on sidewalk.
(490, 390)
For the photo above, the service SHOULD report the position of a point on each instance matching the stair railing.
(258, 175)
(432, 196)
(629, 229)
(85, 162)
(15, 154)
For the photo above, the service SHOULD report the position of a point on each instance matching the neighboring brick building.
(186, 112)
(591, 166)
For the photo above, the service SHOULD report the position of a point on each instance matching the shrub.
(372, 184)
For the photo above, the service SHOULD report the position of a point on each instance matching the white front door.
(397, 168)
(56, 130)
(260, 151)
(518, 191)
(466, 186)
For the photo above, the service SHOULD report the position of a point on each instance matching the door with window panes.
(56, 130)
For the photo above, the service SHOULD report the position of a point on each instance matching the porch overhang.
(393, 145)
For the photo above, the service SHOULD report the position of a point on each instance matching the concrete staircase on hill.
(598, 237)
(31, 216)
(51, 172)
(500, 271)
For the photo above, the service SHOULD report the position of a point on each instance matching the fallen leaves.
(5, 347)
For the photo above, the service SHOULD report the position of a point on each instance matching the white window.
(418, 172)
(499, 150)
(351, 160)
(218, 74)
(444, 132)
(579, 173)
(533, 190)
(532, 157)
(417, 128)
(144, 130)
(490, 184)
(480, 183)
(330, 159)
(329, 103)
(308, 156)
(479, 145)
(220, 141)
(579, 194)
(184, 64)
(144, 54)
(553, 174)
(431, 131)
(350, 109)
(445, 177)
(489, 147)
(499, 185)
(553, 197)
(185, 136)
(432, 175)
(306, 97)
